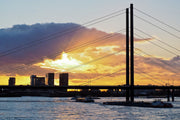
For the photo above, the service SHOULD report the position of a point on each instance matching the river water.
(47, 108)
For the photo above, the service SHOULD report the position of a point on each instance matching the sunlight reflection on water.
(46, 108)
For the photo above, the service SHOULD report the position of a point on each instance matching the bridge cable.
(21, 67)
(79, 46)
(157, 27)
(157, 44)
(148, 74)
(99, 77)
(157, 39)
(149, 77)
(158, 20)
(160, 61)
(34, 42)
(97, 59)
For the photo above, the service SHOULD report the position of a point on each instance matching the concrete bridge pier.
(172, 95)
(168, 95)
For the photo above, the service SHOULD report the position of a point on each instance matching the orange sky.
(107, 71)
(100, 62)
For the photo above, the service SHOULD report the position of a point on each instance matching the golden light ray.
(65, 63)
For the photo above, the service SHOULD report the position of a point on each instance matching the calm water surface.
(46, 108)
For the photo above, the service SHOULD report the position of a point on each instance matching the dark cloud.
(176, 59)
(24, 45)
(28, 44)
(172, 65)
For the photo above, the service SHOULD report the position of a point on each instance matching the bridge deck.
(88, 87)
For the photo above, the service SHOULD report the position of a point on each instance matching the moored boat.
(160, 104)
(83, 99)
(154, 104)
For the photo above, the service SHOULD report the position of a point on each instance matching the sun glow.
(65, 63)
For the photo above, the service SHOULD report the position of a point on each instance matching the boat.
(160, 104)
(154, 104)
(83, 99)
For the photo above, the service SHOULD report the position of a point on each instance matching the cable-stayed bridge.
(129, 79)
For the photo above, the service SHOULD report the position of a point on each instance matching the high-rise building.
(49, 79)
(63, 79)
(40, 81)
(33, 79)
(12, 81)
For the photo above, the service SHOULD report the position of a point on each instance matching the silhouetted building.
(40, 81)
(12, 81)
(63, 79)
(50, 79)
(33, 79)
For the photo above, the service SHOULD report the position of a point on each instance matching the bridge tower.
(131, 88)
(127, 54)
(132, 51)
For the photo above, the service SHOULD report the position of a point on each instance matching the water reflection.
(38, 108)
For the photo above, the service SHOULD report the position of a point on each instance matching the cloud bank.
(22, 46)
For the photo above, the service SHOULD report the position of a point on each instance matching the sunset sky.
(37, 37)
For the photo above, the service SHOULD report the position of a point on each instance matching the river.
(55, 108)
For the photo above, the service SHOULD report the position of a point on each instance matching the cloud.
(29, 44)
(25, 43)
(172, 65)
(24, 46)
